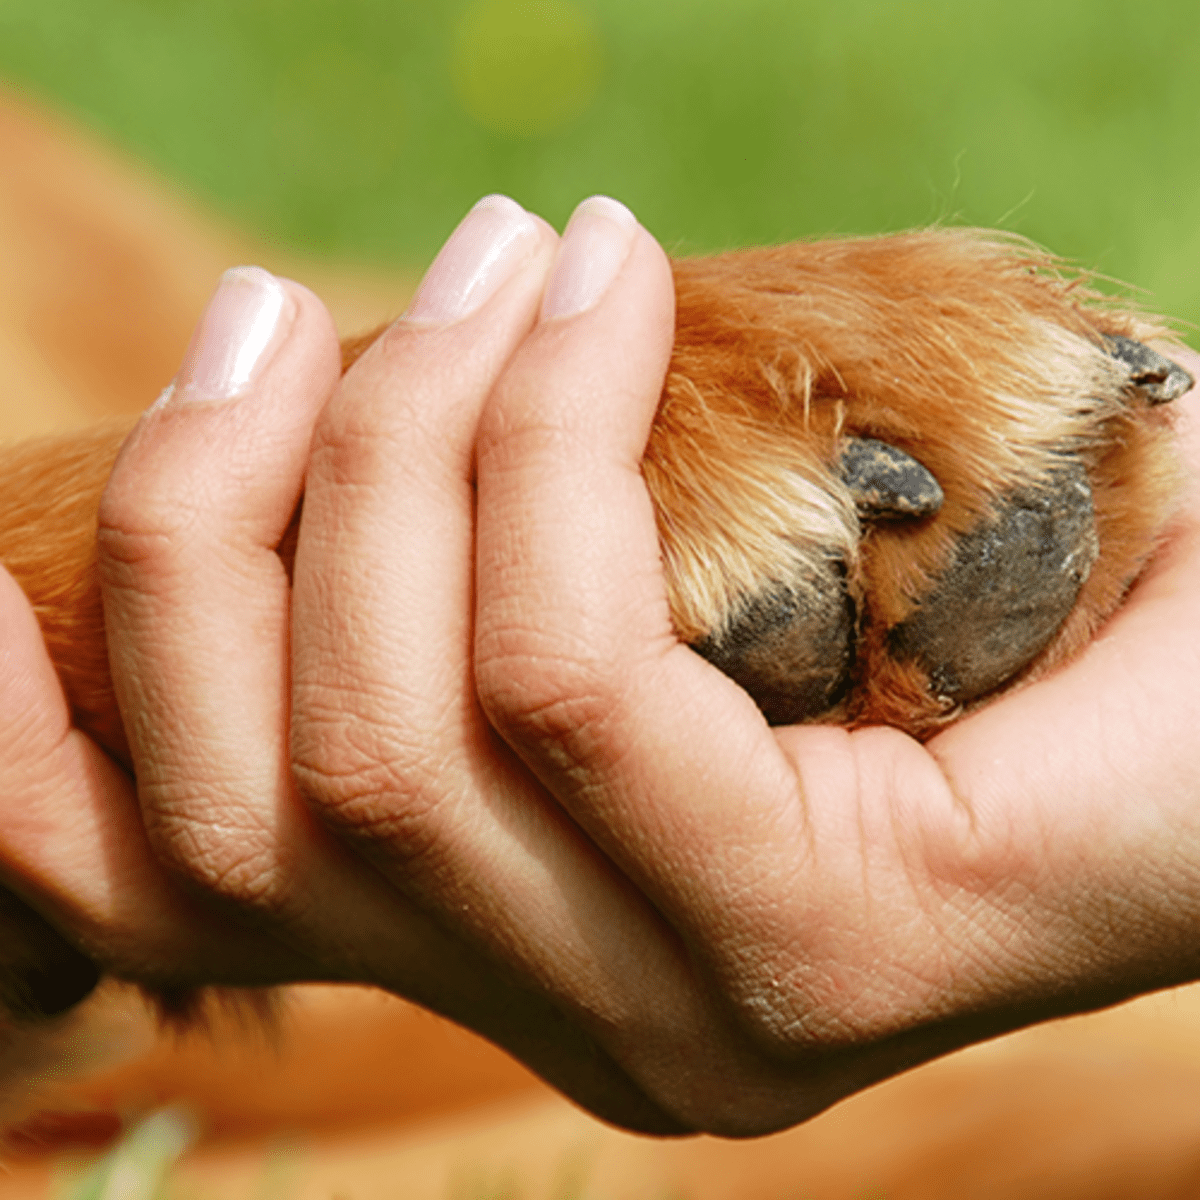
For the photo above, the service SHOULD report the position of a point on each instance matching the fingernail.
(242, 325)
(491, 241)
(594, 247)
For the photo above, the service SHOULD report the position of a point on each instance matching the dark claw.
(1159, 379)
(792, 650)
(1010, 585)
(886, 482)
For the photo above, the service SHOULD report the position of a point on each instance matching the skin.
(466, 759)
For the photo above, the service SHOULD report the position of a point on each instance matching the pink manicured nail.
(243, 323)
(594, 248)
(490, 243)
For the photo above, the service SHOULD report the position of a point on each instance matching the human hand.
(685, 919)
(173, 511)
(41, 973)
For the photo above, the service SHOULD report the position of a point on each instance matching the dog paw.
(41, 976)
(896, 476)
(1010, 584)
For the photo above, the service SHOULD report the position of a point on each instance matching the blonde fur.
(1027, 1116)
(971, 351)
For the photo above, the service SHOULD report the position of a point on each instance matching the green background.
(363, 129)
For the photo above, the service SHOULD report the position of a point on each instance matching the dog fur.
(801, 383)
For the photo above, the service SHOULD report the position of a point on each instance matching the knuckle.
(131, 537)
(535, 689)
(142, 532)
(359, 437)
(522, 458)
(152, 490)
(221, 866)
(219, 856)
(363, 777)
(355, 463)
(510, 440)
(346, 445)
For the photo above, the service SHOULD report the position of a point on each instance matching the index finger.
(666, 763)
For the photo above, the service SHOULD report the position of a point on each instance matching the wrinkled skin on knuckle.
(223, 855)
(518, 456)
(132, 540)
(359, 437)
(348, 448)
(144, 508)
(366, 782)
(540, 693)
(206, 861)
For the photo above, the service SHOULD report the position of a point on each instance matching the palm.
(1042, 852)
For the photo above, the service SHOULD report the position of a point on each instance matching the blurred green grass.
(363, 129)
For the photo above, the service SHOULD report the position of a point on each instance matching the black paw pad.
(885, 482)
(1012, 582)
(790, 648)
(1158, 379)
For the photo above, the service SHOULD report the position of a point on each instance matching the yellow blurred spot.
(525, 68)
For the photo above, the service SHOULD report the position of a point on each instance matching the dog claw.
(1011, 583)
(790, 648)
(885, 482)
(1159, 379)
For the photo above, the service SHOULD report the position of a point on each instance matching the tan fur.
(48, 500)
(968, 1125)
(968, 350)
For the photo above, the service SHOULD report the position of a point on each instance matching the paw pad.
(1011, 582)
(895, 476)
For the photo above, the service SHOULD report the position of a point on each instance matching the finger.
(196, 599)
(771, 865)
(390, 493)
(576, 658)
(72, 845)
(389, 745)
(41, 974)
(384, 727)
(71, 840)
(578, 667)
(197, 607)
(391, 748)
